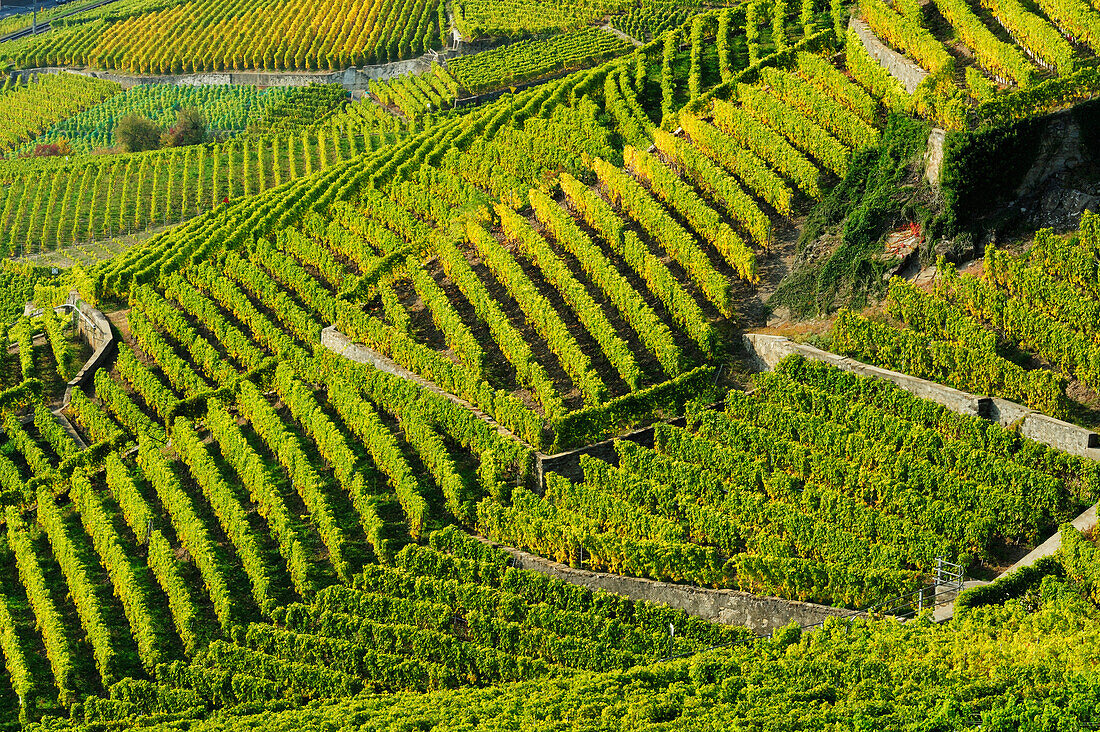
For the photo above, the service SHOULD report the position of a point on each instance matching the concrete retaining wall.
(768, 350)
(908, 73)
(760, 614)
(95, 329)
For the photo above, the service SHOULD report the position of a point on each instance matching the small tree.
(51, 149)
(135, 134)
(190, 129)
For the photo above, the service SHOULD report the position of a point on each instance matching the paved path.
(1082, 523)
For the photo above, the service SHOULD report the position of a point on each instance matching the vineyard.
(356, 394)
(205, 35)
(53, 204)
(978, 331)
(30, 108)
(773, 494)
(477, 18)
(416, 95)
(226, 109)
(527, 60)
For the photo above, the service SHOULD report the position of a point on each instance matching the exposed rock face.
(1062, 183)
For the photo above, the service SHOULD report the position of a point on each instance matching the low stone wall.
(354, 79)
(95, 329)
(768, 350)
(758, 613)
(341, 345)
(568, 464)
(908, 73)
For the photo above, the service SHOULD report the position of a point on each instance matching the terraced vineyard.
(415, 95)
(1039, 54)
(529, 60)
(227, 110)
(29, 108)
(812, 488)
(477, 18)
(53, 202)
(203, 35)
(968, 329)
(370, 364)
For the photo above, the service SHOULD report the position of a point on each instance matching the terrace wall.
(768, 350)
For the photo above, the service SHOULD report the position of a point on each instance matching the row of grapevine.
(358, 481)
(29, 109)
(769, 146)
(193, 533)
(104, 196)
(539, 313)
(528, 60)
(823, 108)
(308, 482)
(536, 249)
(145, 627)
(1036, 36)
(649, 19)
(598, 214)
(803, 132)
(417, 94)
(1076, 19)
(703, 219)
(287, 529)
(231, 513)
(971, 369)
(719, 185)
(642, 319)
(1001, 59)
(637, 203)
(92, 613)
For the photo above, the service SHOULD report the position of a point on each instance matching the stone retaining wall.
(758, 613)
(768, 350)
(354, 79)
(908, 73)
(95, 329)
